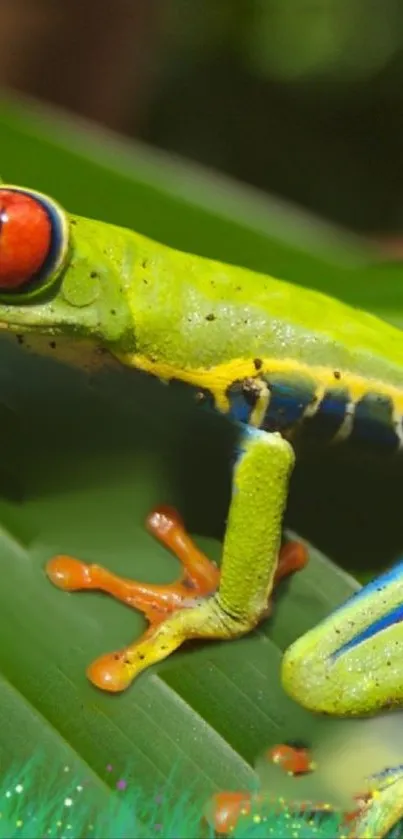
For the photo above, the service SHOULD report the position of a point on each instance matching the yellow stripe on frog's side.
(217, 379)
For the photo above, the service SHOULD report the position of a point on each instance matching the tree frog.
(285, 364)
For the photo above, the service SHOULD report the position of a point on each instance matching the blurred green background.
(301, 98)
(137, 113)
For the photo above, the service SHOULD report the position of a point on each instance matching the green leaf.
(84, 460)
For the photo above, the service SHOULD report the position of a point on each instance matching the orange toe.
(110, 672)
(293, 557)
(68, 573)
(293, 760)
(163, 522)
(226, 808)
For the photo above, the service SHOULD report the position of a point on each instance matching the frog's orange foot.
(200, 578)
(293, 759)
(226, 810)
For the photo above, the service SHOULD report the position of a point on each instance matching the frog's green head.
(61, 275)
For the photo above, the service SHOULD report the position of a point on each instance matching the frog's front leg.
(205, 603)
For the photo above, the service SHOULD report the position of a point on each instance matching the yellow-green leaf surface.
(84, 460)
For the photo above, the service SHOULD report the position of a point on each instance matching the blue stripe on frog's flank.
(289, 399)
(375, 587)
(392, 617)
(387, 776)
(327, 420)
(373, 424)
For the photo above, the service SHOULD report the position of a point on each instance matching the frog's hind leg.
(205, 602)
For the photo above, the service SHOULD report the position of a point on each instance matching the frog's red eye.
(25, 238)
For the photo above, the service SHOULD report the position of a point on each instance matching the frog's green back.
(194, 312)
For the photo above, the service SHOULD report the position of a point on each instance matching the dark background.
(301, 98)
